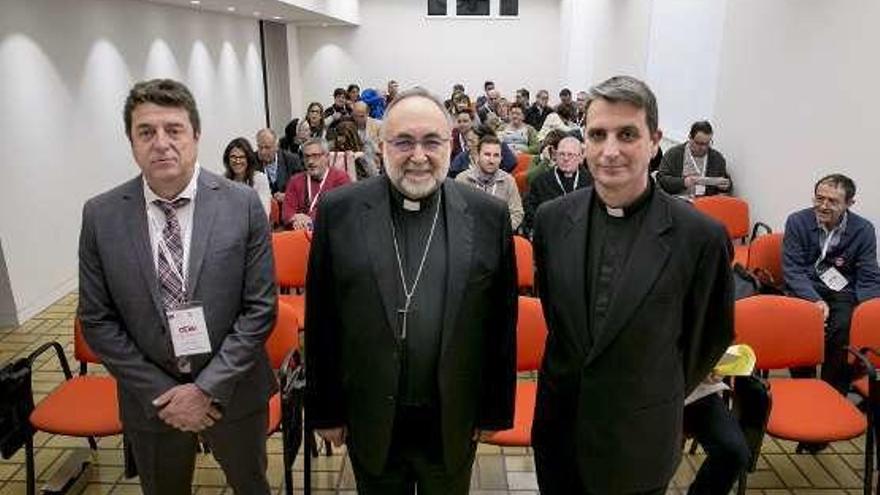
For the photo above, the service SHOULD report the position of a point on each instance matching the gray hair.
(317, 141)
(630, 90)
(417, 92)
(268, 131)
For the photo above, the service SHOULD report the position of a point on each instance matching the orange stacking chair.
(522, 163)
(525, 264)
(291, 251)
(274, 213)
(786, 332)
(733, 213)
(864, 337)
(765, 254)
(531, 332)
(282, 346)
(62, 411)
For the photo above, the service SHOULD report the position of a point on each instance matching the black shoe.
(812, 448)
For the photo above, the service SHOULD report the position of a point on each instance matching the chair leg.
(29, 466)
(288, 469)
(869, 459)
(743, 482)
(328, 448)
(93, 444)
(694, 445)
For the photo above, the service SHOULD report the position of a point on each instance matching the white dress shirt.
(156, 220)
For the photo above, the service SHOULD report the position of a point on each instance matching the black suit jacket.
(669, 322)
(353, 358)
(669, 175)
(544, 188)
(289, 164)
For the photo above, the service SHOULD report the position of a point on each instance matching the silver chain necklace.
(409, 291)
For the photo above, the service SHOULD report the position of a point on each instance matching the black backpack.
(16, 405)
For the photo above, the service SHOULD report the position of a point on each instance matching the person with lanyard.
(279, 165)
(829, 256)
(568, 176)
(305, 189)
(411, 307)
(177, 297)
(638, 294)
(694, 168)
(488, 177)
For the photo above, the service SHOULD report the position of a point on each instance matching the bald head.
(569, 154)
(267, 145)
(359, 112)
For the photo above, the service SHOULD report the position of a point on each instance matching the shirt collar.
(188, 192)
(841, 226)
(632, 208)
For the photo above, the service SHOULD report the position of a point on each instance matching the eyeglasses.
(313, 156)
(408, 145)
(237, 158)
(821, 201)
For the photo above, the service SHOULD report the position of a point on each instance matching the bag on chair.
(16, 405)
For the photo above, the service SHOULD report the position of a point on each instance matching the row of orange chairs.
(59, 412)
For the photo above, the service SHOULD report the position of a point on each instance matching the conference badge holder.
(189, 332)
(833, 279)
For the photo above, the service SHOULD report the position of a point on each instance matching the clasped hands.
(187, 408)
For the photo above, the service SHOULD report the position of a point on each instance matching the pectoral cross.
(404, 313)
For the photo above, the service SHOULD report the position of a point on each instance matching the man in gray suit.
(177, 297)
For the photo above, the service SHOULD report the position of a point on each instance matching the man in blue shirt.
(829, 256)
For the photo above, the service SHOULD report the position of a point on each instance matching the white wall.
(67, 67)
(397, 41)
(797, 99)
(684, 53)
(621, 34)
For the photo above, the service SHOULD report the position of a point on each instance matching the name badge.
(699, 189)
(189, 332)
(833, 279)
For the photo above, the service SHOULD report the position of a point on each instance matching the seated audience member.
(348, 153)
(521, 137)
(489, 108)
(569, 175)
(563, 119)
(487, 87)
(279, 165)
(312, 125)
(487, 176)
(305, 189)
(242, 165)
(391, 92)
(457, 91)
(353, 94)
(580, 104)
(546, 158)
(464, 122)
(367, 127)
(468, 157)
(288, 141)
(340, 108)
(564, 97)
(713, 426)
(694, 168)
(656, 161)
(829, 256)
(523, 98)
(538, 112)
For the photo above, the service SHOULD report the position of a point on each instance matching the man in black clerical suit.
(411, 313)
(638, 295)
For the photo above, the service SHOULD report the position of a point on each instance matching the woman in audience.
(288, 141)
(242, 165)
(312, 125)
(564, 119)
(348, 152)
(517, 134)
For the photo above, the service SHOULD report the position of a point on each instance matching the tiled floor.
(497, 471)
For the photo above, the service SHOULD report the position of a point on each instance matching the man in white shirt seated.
(694, 168)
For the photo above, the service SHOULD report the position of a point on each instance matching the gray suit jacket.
(230, 272)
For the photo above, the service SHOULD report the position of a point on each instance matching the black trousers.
(166, 460)
(727, 454)
(835, 369)
(415, 460)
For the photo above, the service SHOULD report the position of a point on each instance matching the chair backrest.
(765, 252)
(531, 334)
(522, 182)
(81, 350)
(525, 265)
(865, 328)
(783, 331)
(284, 336)
(522, 162)
(291, 251)
(274, 213)
(730, 211)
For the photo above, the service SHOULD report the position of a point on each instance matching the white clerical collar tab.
(410, 205)
(614, 212)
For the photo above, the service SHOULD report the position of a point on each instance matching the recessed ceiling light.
(256, 13)
(277, 18)
(230, 8)
(195, 2)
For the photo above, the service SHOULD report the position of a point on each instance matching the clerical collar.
(403, 203)
(632, 208)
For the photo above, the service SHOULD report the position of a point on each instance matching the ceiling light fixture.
(195, 2)
(230, 8)
(277, 18)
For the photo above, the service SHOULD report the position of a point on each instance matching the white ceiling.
(268, 10)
